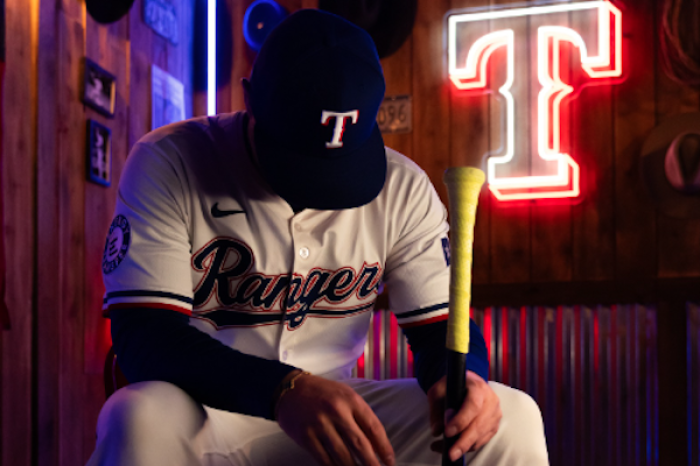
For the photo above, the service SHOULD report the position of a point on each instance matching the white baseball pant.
(157, 424)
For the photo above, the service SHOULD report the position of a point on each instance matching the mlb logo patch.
(446, 250)
(117, 244)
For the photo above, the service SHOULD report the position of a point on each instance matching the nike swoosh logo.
(216, 213)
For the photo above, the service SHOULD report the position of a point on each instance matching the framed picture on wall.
(161, 16)
(167, 98)
(100, 88)
(99, 153)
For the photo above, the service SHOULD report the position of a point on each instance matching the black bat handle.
(456, 394)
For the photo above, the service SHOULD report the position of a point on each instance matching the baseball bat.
(463, 187)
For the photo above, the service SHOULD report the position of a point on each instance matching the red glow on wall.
(361, 366)
(107, 332)
(543, 170)
(523, 347)
(487, 331)
(393, 347)
(504, 347)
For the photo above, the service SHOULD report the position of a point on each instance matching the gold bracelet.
(286, 386)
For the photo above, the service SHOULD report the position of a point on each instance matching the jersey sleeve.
(417, 268)
(146, 261)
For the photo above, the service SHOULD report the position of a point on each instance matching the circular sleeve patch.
(117, 244)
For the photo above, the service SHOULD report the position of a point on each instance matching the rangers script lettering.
(252, 299)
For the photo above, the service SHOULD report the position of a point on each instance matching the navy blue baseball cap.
(315, 90)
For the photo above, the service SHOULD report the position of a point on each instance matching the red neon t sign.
(527, 167)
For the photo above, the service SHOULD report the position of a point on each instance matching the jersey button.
(304, 253)
(297, 227)
(284, 355)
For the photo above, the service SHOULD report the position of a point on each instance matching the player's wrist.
(287, 384)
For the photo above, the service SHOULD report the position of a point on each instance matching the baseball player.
(242, 266)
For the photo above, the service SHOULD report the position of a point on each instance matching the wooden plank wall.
(19, 157)
(615, 233)
(230, 94)
(55, 222)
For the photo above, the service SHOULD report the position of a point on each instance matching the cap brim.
(324, 183)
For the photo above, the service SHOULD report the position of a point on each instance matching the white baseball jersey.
(197, 230)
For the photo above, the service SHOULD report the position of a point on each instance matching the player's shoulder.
(168, 154)
(190, 137)
(402, 169)
(396, 161)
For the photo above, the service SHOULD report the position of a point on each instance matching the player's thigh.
(520, 438)
(239, 440)
(402, 407)
(150, 408)
(149, 423)
(161, 417)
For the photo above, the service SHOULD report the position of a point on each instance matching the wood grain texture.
(48, 288)
(551, 229)
(470, 142)
(140, 38)
(243, 56)
(74, 215)
(107, 45)
(71, 231)
(431, 118)
(635, 239)
(180, 56)
(398, 74)
(291, 5)
(679, 250)
(230, 94)
(309, 3)
(19, 190)
(593, 219)
(592, 293)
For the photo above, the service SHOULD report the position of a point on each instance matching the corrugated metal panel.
(694, 383)
(591, 370)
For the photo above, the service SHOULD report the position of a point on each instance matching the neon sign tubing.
(485, 46)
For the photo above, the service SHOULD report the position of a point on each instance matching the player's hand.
(476, 422)
(333, 423)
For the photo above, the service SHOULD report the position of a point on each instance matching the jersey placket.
(302, 259)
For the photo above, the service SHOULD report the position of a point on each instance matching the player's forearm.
(155, 344)
(428, 346)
